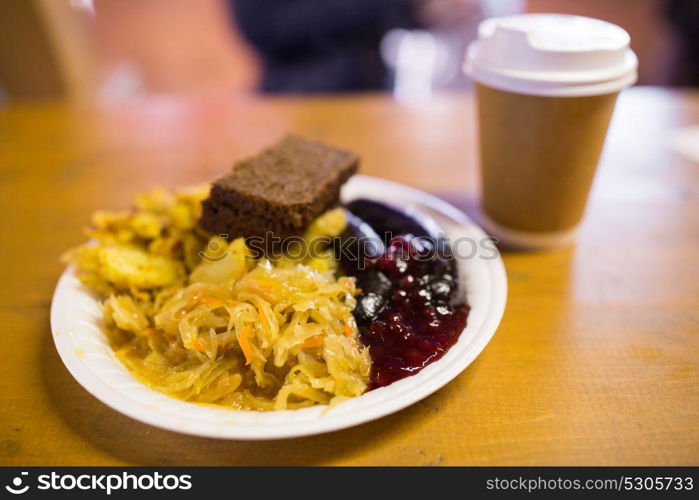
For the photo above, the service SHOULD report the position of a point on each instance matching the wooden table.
(597, 357)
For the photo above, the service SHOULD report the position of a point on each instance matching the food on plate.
(357, 244)
(277, 338)
(210, 318)
(389, 221)
(405, 310)
(220, 327)
(414, 325)
(281, 190)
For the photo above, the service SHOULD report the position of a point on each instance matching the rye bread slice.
(281, 190)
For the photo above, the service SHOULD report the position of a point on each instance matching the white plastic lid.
(552, 55)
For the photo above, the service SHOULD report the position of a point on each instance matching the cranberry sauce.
(416, 324)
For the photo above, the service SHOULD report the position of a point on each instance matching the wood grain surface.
(597, 357)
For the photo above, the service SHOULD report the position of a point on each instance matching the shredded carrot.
(192, 304)
(211, 301)
(263, 318)
(347, 330)
(245, 344)
(150, 331)
(187, 309)
(198, 345)
(199, 299)
(316, 341)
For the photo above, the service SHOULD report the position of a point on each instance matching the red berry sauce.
(418, 324)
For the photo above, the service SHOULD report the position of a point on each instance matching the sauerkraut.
(201, 319)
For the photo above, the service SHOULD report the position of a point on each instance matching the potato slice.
(128, 267)
(220, 267)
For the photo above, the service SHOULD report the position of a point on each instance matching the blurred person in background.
(334, 45)
(684, 16)
(122, 50)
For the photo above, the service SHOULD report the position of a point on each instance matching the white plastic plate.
(76, 319)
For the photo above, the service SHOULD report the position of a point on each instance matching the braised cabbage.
(200, 319)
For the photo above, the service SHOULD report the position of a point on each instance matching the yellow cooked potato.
(328, 225)
(146, 225)
(128, 267)
(220, 266)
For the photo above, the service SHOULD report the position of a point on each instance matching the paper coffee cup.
(546, 85)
